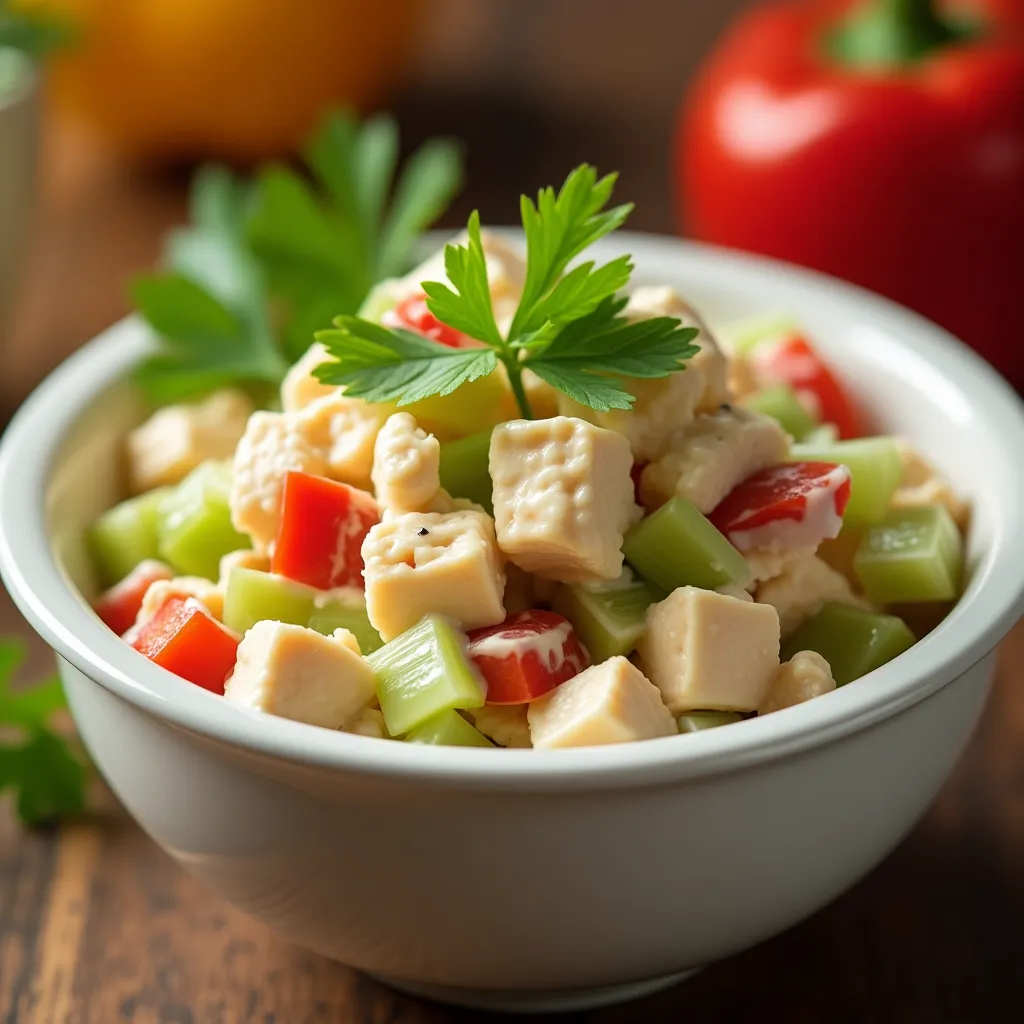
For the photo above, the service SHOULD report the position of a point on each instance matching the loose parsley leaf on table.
(47, 776)
(264, 264)
(568, 328)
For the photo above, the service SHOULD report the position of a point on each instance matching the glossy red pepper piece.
(526, 656)
(119, 606)
(901, 174)
(184, 638)
(788, 507)
(791, 360)
(321, 532)
(413, 314)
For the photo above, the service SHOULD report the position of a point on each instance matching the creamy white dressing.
(820, 521)
(354, 597)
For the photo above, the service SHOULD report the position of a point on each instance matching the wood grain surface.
(97, 926)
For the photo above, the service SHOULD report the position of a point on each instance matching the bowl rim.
(991, 604)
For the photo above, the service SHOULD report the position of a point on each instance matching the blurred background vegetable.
(236, 79)
(878, 140)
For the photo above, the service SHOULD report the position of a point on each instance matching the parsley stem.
(515, 378)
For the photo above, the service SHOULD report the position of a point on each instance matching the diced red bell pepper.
(184, 638)
(796, 505)
(526, 656)
(323, 525)
(119, 606)
(791, 360)
(414, 315)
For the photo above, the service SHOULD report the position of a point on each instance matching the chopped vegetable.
(126, 535)
(39, 765)
(788, 507)
(119, 606)
(698, 721)
(875, 469)
(854, 642)
(323, 525)
(914, 554)
(609, 618)
(678, 547)
(791, 360)
(423, 672)
(570, 326)
(414, 315)
(448, 729)
(742, 336)
(526, 655)
(464, 469)
(348, 612)
(252, 596)
(184, 638)
(194, 527)
(783, 404)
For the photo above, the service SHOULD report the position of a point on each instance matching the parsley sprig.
(264, 263)
(39, 765)
(568, 328)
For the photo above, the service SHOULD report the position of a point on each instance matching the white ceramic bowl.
(18, 130)
(523, 879)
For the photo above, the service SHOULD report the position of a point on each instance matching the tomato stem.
(880, 35)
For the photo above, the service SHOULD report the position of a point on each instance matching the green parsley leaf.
(262, 266)
(383, 365)
(39, 765)
(568, 327)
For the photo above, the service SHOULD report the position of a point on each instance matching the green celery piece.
(781, 403)
(126, 535)
(464, 469)
(423, 672)
(913, 554)
(875, 469)
(448, 729)
(252, 596)
(678, 547)
(854, 642)
(825, 433)
(195, 529)
(743, 336)
(698, 721)
(608, 618)
(338, 613)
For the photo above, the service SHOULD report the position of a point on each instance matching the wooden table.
(97, 926)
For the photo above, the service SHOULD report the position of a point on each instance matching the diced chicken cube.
(563, 497)
(423, 562)
(803, 588)
(806, 675)
(766, 565)
(661, 300)
(300, 674)
(710, 651)
(177, 438)
(506, 724)
(608, 703)
(922, 484)
(299, 387)
(344, 431)
(346, 637)
(244, 559)
(712, 456)
(444, 502)
(369, 722)
(406, 466)
(210, 595)
(272, 445)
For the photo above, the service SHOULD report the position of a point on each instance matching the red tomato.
(795, 505)
(323, 525)
(119, 606)
(791, 360)
(184, 638)
(526, 656)
(413, 314)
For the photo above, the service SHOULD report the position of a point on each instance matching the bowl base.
(526, 1001)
